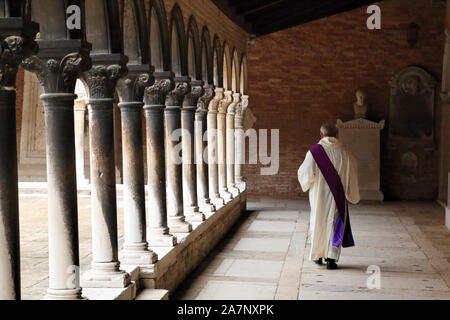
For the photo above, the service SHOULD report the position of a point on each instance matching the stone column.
(213, 169)
(154, 99)
(131, 93)
(221, 145)
(174, 170)
(57, 67)
(80, 122)
(190, 201)
(101, 83)
(201, 151)
(240, 141)
(231, 145)
(16, 43)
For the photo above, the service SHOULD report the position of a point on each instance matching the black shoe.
(319, 262)
(331, 264)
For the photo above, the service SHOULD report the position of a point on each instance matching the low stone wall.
(178, 263)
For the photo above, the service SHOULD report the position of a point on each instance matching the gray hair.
(329, 130)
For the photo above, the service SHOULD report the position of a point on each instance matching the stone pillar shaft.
(241, 109)
(231, 145)
(201, 127)
(190, 200)
(221, 145)
(57, 76)
(131, 91)
(9, 200)
(174, 170)
(154, 99)
(80, 125)
(213, 169)
(101, 82)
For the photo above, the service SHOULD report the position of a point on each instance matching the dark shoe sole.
(319, 262)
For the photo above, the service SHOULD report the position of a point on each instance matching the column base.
(218, 202)
(130, 257)
(241, 186)
(67, 294)
(179, 225)
(227, 196)
(234, 191)
(105, 275)
(193, 214)
(207, 208)
(162, 240)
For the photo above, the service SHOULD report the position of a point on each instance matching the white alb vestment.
(323, 206)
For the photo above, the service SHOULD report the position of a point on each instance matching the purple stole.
(342, 235)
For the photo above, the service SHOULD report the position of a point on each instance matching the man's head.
(328, 130)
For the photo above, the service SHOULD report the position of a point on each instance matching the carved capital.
(176, 96)
(131, 88)
(241, 109)
(225, 102)
(214, 104)
(233, 106)
(204, 101)
(156, 94)
(101, 79)
(13, 50)
(58, 75)
(192, 98)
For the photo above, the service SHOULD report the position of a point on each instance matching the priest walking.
(330, 174)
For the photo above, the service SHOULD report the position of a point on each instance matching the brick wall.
(307, 75)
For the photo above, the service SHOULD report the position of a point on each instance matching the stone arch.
(243, 75)
(178, 43)
(14, 8)
(159, 36)
(235, 71)
(135, 34)
(217, 62)
(104, 36)
(227, 65)
(194, 50)
(206, 57)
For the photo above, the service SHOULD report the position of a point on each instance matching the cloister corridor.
(265, 257)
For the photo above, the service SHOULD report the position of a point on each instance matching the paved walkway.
(266, 257)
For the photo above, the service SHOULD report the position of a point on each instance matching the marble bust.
(360, 106)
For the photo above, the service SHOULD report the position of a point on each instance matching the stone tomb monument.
(363, 138)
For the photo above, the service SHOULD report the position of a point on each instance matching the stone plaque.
(363, 138)
(412, 105)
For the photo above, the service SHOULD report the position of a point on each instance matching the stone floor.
(266, 256)
(34, 241)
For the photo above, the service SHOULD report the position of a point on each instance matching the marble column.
(16, 43)
(201, 151)
(174, 171)
(80, 126)
(101, 83)
(221, 144)
(57, 67)
(131, 93)
(231, 145)
(213, 169)
(154, 100)
(190, 200)
(240, 141)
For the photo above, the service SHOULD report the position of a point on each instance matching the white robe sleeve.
(353, 185)
(307, 172)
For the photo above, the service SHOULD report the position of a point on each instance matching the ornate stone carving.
(225, 102)
(102, 79)
(214, 104)
(156, 94)
(234, 105)
(132, 87)
(360, 106)
(175, 97)
(58, 76)
(241, 109)
(191, 99)
(204, 101)
(13, 50)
